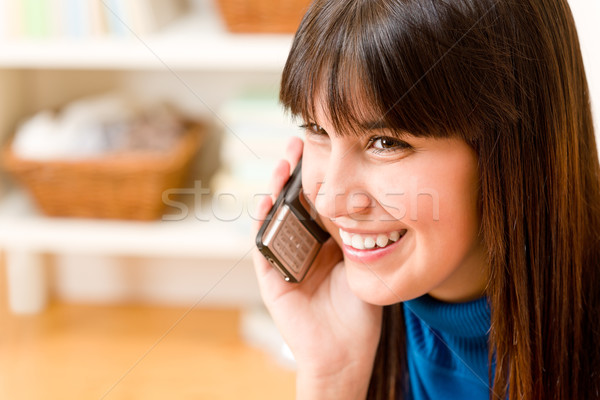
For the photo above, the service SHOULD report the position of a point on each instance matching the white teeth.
(382, 240)
(362, 242)
(346, 237)
(369, 243)
(358, 242)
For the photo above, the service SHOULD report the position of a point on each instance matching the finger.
(293, 151)
(261, 266)
(270, 282)
(283, 169)
(280, 176)
(329, 255)
(262, 209)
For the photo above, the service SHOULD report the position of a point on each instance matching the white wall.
(587, 18)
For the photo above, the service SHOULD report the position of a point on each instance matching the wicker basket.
(123, 186)
(263, 16)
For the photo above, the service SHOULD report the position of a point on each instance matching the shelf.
(23, 229)
(195, 42)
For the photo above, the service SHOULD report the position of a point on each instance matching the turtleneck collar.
(468, 320)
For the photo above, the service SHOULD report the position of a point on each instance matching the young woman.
(450, 152)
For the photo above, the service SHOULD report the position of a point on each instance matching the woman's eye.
(313, 129)
(386, 144)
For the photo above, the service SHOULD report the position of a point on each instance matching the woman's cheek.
(311, 175)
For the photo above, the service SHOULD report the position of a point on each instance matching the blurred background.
(137, 137)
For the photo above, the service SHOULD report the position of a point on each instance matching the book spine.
(36, 19)
(98, 18)
(14, 19)
(162, 13)
(77, 20)
(116, 17)
(57, 18)
(140, 20)
(3, 20)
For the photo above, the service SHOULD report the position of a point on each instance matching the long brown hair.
(507, 77)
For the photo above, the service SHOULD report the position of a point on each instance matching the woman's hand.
(332, 334)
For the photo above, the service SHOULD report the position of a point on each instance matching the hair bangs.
(406, 69)
(324, 70)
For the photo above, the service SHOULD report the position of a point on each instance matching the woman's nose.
(340, 194)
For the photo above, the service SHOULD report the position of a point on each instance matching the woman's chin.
(372, 288)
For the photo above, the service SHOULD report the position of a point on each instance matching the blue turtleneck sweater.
(447, 349)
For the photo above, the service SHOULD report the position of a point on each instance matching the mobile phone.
(291, 235)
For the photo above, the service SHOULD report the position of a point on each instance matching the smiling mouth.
(361, 241)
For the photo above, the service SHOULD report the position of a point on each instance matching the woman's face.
(404, 211)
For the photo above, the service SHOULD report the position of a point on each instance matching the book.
(99, 24)
(35, 13)
(13, 19)
(57, 18)
(118, 21)
(151, 15)
(3, 17)
(76, 18)
(86, 18)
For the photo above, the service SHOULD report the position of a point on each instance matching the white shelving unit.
(195, 46)
(196, 42)
(199, 235)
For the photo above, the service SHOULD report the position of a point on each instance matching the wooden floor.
(98, 352)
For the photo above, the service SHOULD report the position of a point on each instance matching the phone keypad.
(294, 243)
